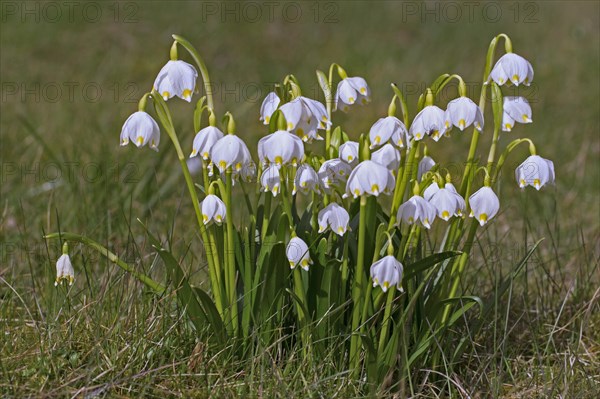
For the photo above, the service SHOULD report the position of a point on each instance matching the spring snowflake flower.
(512, 68)
(306, 180)
(516, 109)
(535, 171)
(369, 178)
(176, 78)
(387, 156)
(64, 270)
(213, 210)
(268, 106)
(431, 121)
(142, 129)
(204, 141)
(417, 209)
(230, 151)
(270, 180)
(388, 129)
(281, 148)
(484, 205)
(335, 217)
(297, 253)
(425, 165)
(304, 117)
(349, 152)
(334, 171)
(352, 91)
(462, 112)
(386, 273)
(446, 200)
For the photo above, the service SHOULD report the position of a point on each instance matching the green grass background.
(62, 168)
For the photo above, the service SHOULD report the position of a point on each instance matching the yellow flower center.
(187, 93)
(351, 100)
(166, 95)
(445, 215)
(222, 165)
(375, 189)
(462, 123)
(363, 90)
(139, 140)
(536, 183)
(515, 78)
(483, 217)
(278, 160)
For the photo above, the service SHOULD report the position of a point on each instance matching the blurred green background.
(72, 72)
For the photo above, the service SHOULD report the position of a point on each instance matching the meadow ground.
(72, 72)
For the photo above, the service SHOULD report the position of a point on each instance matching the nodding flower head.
(64, 270)
(484, 205)
(297, 254)
(230, 151)
(304, 116)
(349, 152)
(425, 165)
(306, 180)
(142, 129)
(176, 78)
(213, 210)
(389, 129)
(462, 112)
(269, 105)
(204, 141)
(417, 209)
(388, 156)
(516, 109)
(270, 180)
(369, 178)
(431, 121)
(386, 273)
(512, 68)
(535, 171)
(446, 200)
(335, 217)
(352, 91)
(281, 148)
(334, 171)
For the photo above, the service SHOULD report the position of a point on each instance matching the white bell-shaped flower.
(430, 191)
(535, 171)
(388, 156)
(431, 121)
(369, 178)
(213, 210)
(512, 68)
(389, 129)
(417, 209)
(230, 151)
(386, 273)
(460, 201)
(335, 217)
(304, 116)
(297, 253)
(176, 78)
(282, 148)
(268, 106)
(142, 129)
(425, 165)
(516, 109)
(334, 171)
(204, 141)
(484, 205)
(351, 91)
(306, 180)
(64, 270)
(348, 152)
(462, 112)
(270, 180)
(446, 202)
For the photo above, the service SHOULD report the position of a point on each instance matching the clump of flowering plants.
(338, 247)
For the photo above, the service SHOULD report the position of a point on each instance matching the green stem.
(231, 251)
(386, 321)
(358, 288)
